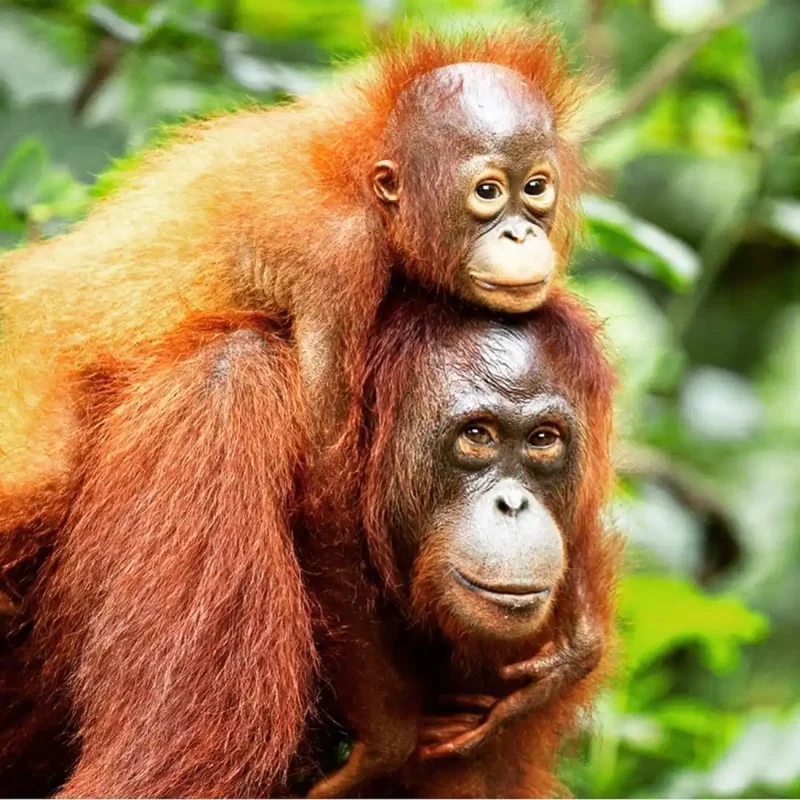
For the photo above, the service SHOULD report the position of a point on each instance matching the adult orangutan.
(486, 467)
(446, 162)
(173, 608)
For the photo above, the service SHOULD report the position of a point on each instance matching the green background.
(690, 254)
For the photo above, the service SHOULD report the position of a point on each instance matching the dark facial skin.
(500, 194)
(504, 444)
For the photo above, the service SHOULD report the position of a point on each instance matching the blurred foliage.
(690, 255)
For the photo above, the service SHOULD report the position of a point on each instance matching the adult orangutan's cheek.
(506, 562)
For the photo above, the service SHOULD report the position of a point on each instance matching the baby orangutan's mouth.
(500, 286)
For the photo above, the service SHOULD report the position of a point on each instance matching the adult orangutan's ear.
(386, 182)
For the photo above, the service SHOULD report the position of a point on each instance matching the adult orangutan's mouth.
(506, 594)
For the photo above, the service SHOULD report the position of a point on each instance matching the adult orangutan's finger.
(534, 668)
(482, 702)
(443, 733)
(460, 746)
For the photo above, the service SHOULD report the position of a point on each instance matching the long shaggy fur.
(173, 607)
(176, 612)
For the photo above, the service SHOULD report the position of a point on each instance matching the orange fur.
(174, 591)
(174, 608)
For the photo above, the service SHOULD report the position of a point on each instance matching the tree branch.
(671, 62)
(722, 549)
(106, 58)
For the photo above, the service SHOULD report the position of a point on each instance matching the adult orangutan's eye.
(478, 435)
(544, 437)
(476, 443)
(545, 444)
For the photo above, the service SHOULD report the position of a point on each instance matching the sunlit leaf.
(694, 717)
(678, 16)
(60, 195)
(339, 25)
(660, 614)
(22, 174)
(642, 245)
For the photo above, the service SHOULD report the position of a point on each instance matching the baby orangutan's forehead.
(476, 101)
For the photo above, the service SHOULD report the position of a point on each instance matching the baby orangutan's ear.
(386, 182)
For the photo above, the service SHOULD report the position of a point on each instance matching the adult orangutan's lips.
(506, 594)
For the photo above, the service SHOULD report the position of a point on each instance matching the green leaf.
(660, 614)
(22, 174)
(60, 195)
(642, 245)
(692, 716)
(32, 189)
(12, 226)
(338, 25)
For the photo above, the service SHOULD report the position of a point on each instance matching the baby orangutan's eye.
(488, 190)
(539, 193)
(536, 187)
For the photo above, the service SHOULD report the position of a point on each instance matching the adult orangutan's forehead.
(477, 101)
(492, 367)
(488, 356)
